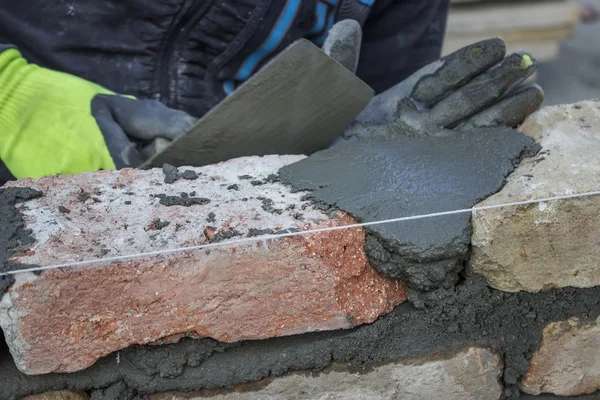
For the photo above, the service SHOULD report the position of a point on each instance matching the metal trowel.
(296, 104)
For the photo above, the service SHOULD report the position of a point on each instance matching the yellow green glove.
(55, 123)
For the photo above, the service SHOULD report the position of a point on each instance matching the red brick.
(63, 320)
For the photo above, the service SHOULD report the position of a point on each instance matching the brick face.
(64, 320)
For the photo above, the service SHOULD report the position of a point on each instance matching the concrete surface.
(553, 244)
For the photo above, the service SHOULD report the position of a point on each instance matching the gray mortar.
(158, 224)
(189, 175)
(468, 314)
(272, 178)
(171, 173)
(211, 218)
(225, 235)
(259, 232)
(13, 235)
(381, 178)
(115, 391)
(267, 205)
(183, 200)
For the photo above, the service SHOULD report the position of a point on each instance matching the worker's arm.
(55, 123)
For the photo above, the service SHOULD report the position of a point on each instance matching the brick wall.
(300, 317)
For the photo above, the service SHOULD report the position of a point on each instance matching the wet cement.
(183, 200)
(468, 314)
(171, 173)
(13, 235)
(381, 178)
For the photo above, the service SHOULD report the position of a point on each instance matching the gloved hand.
(475, 86)
(55, 123)
(343, 43)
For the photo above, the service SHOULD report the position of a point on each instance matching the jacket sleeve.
(5, 174)
(400, 37)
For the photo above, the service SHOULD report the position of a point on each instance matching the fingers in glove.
(434, 81)
(148, 119)
(123, 152)
(483, 91)
(458, 68)
(343, 43)
(511, 111)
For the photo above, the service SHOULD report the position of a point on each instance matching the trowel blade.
(296, 104)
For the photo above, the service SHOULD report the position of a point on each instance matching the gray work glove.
(343, 43)
(136, 130)
(476, 86)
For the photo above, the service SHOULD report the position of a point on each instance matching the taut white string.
(264, 238)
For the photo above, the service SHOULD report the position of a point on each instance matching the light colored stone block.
(470, 374)
(62, 395)
(554, 244)
(63, 320)
(568, 361)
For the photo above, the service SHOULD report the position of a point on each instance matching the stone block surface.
(568, 361)
(554, 244)
(60, 395)
(471, 374)
(63, 320)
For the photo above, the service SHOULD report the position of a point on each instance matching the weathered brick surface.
(470, 374)
(63, 320)
(554, 244)
(568, 361)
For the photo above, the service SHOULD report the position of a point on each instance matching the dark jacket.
(190, 53)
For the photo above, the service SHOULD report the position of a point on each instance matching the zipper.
(180, 28)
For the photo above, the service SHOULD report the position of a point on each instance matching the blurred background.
(563, 35)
